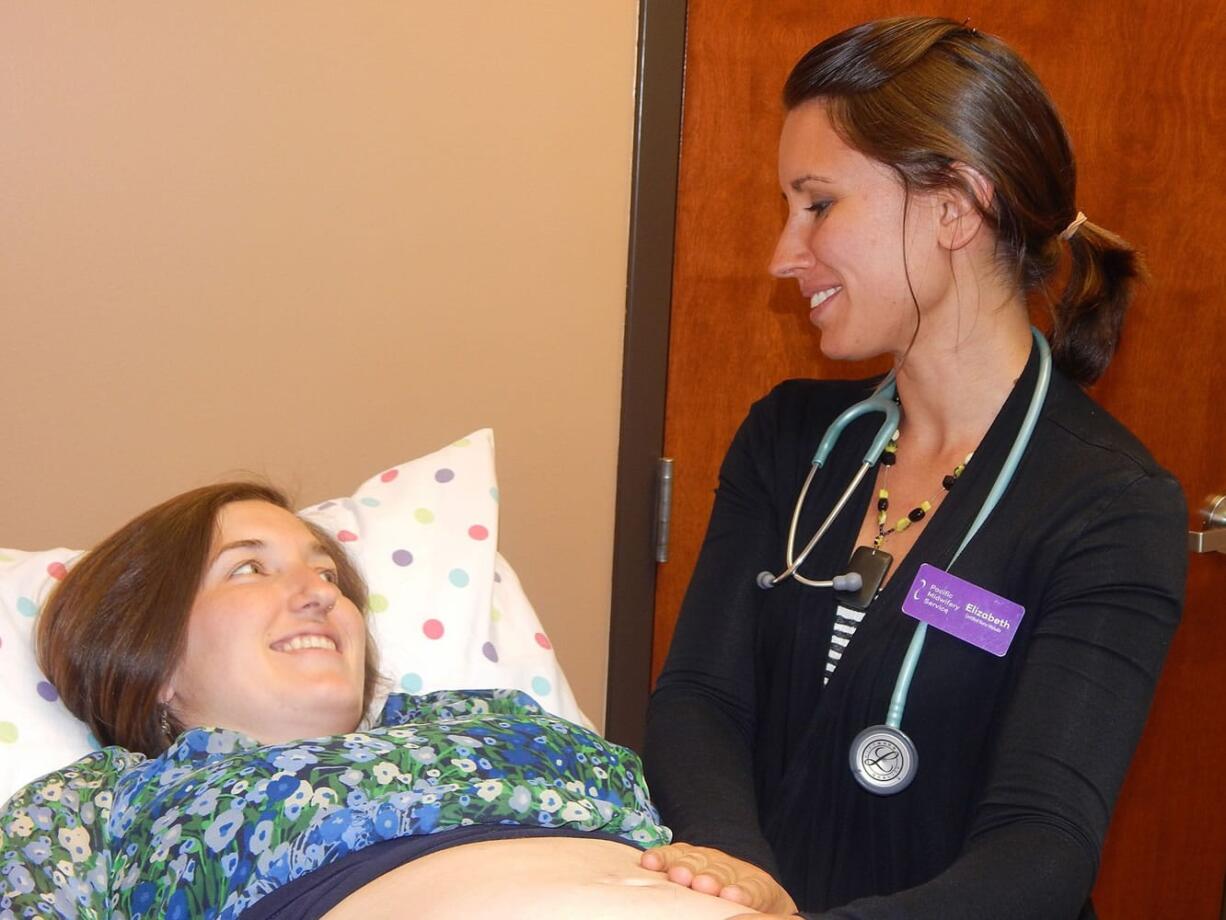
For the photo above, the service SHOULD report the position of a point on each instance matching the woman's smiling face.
(843, 240)
(273, 648)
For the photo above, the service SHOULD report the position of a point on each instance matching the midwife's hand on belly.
(714, 872)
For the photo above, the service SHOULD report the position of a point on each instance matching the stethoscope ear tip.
(851, 581)
(766, 581)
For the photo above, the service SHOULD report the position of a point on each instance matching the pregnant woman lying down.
(216, 645)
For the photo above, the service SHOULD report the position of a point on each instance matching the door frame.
(659, 88)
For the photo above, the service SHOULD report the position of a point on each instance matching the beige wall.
(311, 240)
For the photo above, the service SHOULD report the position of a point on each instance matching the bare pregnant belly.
(534, 877)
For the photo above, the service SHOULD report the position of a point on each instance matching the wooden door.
(1142, 88)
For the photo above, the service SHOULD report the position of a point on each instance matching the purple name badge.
(962, 609)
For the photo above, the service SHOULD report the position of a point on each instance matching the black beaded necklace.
(888, 458)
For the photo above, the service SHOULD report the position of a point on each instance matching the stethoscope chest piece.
(883, 760)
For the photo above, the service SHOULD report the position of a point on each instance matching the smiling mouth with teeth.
(822, 296)
(298, 643)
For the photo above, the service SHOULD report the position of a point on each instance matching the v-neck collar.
(945, 528)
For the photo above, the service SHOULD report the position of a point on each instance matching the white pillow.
(446, 609)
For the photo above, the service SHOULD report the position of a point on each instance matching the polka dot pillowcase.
(446, 609)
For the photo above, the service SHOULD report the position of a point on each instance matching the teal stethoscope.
(883, 758)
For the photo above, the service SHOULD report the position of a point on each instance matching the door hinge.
(664, 506)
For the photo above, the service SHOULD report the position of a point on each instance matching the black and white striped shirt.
(845, 622)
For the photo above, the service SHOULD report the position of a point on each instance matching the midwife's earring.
(164, 724)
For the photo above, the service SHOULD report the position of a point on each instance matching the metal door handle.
(1213, 538)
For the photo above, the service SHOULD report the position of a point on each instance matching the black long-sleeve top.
(1020, 758)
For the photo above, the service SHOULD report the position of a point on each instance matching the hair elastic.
(1068, 232)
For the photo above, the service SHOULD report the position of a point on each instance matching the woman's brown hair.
(925, 95)
(113, 630)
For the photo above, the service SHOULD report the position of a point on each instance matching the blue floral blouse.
(218, 820)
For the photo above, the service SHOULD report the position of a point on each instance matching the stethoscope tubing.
(902, 686)
(791, 570)
(881, 400)
(890, 734)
